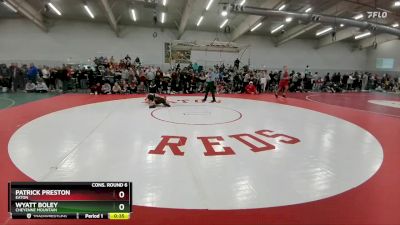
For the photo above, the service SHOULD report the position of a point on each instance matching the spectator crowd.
(111, 76)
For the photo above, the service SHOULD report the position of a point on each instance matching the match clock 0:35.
(118, 216)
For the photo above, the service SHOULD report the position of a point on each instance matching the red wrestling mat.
(374, 202)
(354, 100)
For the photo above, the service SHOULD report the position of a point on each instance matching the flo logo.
(376, 14)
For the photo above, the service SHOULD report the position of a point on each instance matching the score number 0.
(121, 194)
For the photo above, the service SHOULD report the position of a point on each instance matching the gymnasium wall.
(78, 42)
(390, 49)
(297, 54)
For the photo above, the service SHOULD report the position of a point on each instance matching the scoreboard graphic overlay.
(70, 200)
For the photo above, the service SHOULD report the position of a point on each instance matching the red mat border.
(356, 100)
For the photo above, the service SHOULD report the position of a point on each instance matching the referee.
(211, 78)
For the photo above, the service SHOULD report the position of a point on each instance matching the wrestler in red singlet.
(283, 83)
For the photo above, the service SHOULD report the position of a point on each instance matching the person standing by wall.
(263, 80)
(283, 83)
(46, 75)
(236, 63)
(307, 71)
(64, 76)
(17, 77)
(307, 79)
(364, 81)
(150, 74)
(350, 82)
(6, 77)
(32, 73)
(195, 67)
(210, 84)
(246, 81)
